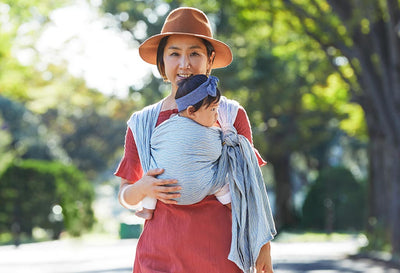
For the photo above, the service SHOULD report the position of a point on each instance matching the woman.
(192, 238)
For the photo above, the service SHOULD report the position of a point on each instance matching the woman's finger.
(155, 172)
(166, 181)
(168, 189)
(168, 201)
(166, 195)
(168, 198)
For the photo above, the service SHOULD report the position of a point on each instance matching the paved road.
(326, 257)
(115, 256)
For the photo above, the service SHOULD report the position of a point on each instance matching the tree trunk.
(395, 208)
(374, 56)
(384, 205)
(283, 190)
(378, 75)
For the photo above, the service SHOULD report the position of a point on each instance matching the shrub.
(335, 201)
(45, 194)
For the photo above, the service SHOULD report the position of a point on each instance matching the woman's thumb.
(155, 172)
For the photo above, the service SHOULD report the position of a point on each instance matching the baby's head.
(198, 98)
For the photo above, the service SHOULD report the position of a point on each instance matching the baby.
(197, 98)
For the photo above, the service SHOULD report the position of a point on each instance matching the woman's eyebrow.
(174, 47)
(195, 47)
(178, 48)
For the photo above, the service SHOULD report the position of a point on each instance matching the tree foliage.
(362, 40)
(18, 19)
(91, 139)
(49, 113)
(29, 137)
(336, 201)
(6, 154)
(31, 189)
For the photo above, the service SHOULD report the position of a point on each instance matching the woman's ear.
(210, 62)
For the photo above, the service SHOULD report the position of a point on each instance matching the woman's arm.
(148, 185)
(134, 185)
(242, 126)
(264, 262)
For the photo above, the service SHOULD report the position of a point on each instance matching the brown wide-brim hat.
(186, 21)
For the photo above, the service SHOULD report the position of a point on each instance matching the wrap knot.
(230, 137)
(211, 86)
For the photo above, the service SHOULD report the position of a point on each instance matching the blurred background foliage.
(45, 194)
(335, 201)
(317, 78)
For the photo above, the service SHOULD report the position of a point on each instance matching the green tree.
(92, 140)
(57, 116)
(18, 16)
(6, 153)
(362, 40)
(335, 202)
(45, 194)
(29, 137)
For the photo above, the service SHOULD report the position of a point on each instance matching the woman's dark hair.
(209, 47)
(160, 54)
(186, 86)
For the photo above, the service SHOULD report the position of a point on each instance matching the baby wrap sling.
(252, 221)
(188, 152)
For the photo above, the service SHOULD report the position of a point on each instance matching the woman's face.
(185, 56)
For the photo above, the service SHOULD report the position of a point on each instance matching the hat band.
(208, 87)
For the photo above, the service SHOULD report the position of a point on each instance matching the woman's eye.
(174, 54)
(195, 54)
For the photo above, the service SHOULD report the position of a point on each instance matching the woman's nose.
(184, 63)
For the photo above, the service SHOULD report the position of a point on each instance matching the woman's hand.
(150, 186)
(264, 262)
(159, 188)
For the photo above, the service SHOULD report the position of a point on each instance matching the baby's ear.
(190, 110)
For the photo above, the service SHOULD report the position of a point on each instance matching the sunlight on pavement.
(112, 255)
(69, 256)
(323, 257)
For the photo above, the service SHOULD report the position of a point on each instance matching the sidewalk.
(69, 256)
(325, 257)
(112, 255)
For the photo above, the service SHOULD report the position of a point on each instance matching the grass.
(7, 239)
(41, 235)
(311, 236)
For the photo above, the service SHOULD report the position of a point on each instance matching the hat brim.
(148, 49)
